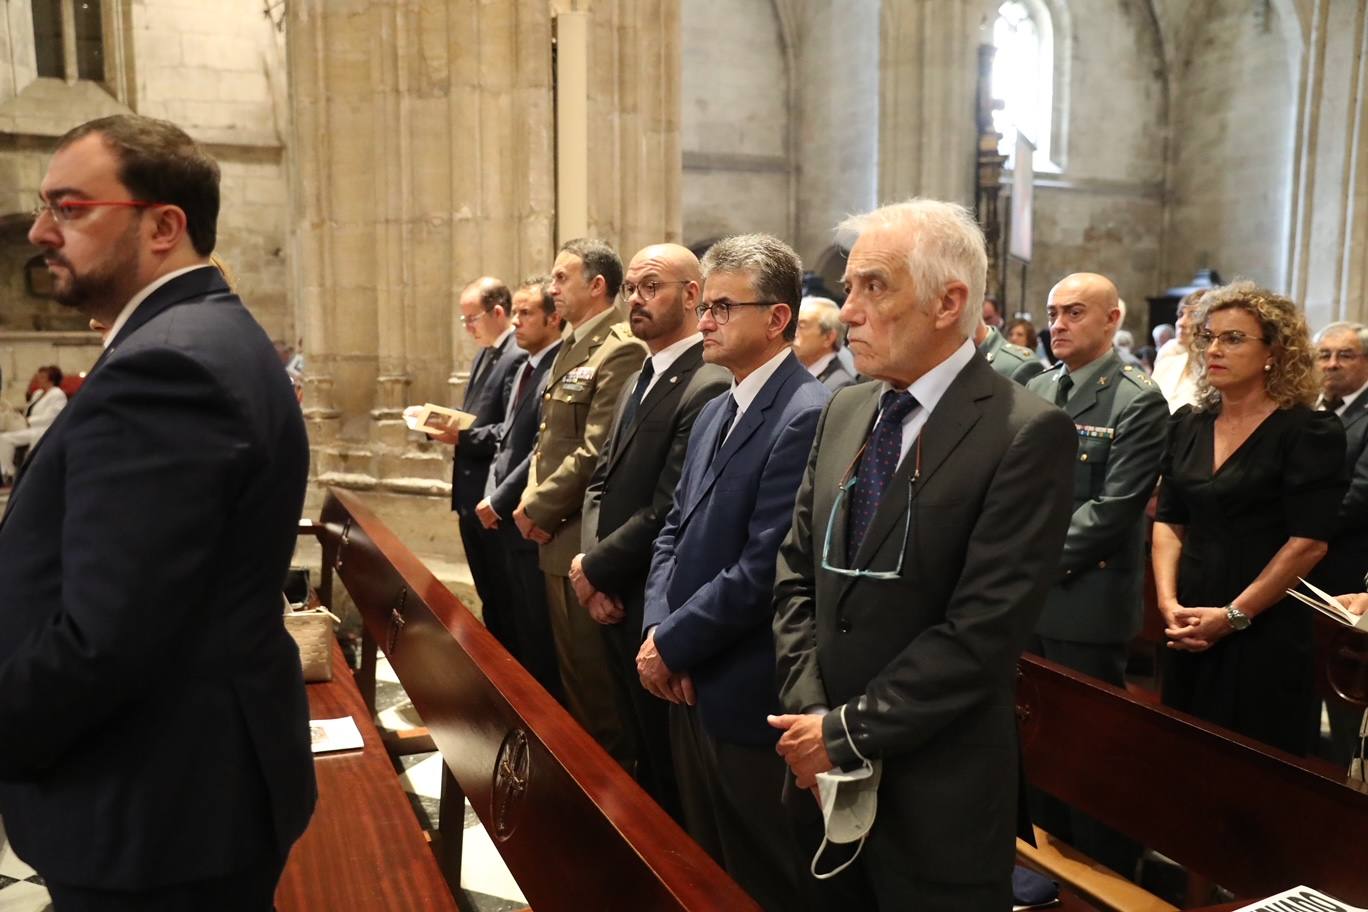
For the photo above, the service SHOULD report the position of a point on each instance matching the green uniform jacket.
(1015, 362)
(582, 391)
(1120, 416)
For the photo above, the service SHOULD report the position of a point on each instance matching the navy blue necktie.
(728, 416)
(877, 465)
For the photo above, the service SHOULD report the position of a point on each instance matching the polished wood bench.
(576, 832)
(364, 849)
(1246, 816)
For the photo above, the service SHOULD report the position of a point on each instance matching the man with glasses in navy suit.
(708, 648)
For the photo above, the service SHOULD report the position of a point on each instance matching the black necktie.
(728, 416)
(877, 465)
(1333, 403)
(1062, 389)
(638, 393)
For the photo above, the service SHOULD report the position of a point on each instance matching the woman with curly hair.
(1252, 481)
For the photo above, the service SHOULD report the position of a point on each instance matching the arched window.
(1023, 78)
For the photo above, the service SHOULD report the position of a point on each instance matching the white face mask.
(849, 802)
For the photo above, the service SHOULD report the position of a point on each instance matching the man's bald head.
(1084, 313)
(661, 288)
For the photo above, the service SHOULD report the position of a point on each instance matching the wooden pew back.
(1247, 816)
(575, 830)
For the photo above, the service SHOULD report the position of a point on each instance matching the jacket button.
(543, 425)
(1082, 457)
(1101, 565)
(843, 625)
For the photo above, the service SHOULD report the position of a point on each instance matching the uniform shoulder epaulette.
(622, 330)
(1020, 351)
(1138, 377)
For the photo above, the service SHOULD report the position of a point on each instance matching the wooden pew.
(364, 849)
(576, 832)
(1246, 816)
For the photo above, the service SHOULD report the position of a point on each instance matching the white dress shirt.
(816, 367)
(745, 392)
(928, 390)
(661, 360)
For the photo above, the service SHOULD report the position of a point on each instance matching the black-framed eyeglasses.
(647, 290)
(721, 310)
(843, 492)
(1231, 338)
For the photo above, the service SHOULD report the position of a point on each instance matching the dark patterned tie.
(523, 377)
(1333, 403)
(638, 393)
(877, 465)
(728, 416)
(1062, 389)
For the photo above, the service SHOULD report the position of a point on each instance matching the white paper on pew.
(1330, 606)
(1300, 899)
(327, 735)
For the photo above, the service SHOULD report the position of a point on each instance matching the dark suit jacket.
(835, 376)
(513, 449)
(925, 664)
(495, 369)
(1344, 566)
(633, 484)
(155, 719)
(712, 571)
(1122, 420)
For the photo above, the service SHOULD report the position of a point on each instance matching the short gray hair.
(773, 267)
(828, 314)
(944, 244)
(1357, 329)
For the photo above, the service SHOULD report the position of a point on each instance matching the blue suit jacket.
(515, 440)
(487, 399)
(710, 590)
(153, 723)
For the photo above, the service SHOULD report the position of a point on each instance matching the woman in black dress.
(1252, 481)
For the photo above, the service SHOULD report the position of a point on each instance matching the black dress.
(1286, 480)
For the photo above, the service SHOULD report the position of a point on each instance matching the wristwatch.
(1238, 619)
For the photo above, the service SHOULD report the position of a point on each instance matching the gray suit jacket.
(1344, 566)
(834, 376)
(1121, 417)
(925, 664)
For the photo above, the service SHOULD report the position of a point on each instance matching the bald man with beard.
(634, 482)
(1093, 609)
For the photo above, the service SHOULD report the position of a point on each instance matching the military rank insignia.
(1092, 432)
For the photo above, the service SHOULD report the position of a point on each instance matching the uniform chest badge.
(1092, 432)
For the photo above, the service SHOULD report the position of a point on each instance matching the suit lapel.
(1356, 412)
(667, 385)
(955, 414)
(1085, 397)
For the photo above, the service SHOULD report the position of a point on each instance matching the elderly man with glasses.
(925, 536)
(708, 649)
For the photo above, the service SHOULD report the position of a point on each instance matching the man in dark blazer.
(1094, 607)
(817, 342)
(708, 649)
(156, 753)
(485, 305)
(899, 619)
(538, 331)
(1342, 352)
(634, 482)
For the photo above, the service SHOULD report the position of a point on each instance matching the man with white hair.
(925, 535)
(818, 342)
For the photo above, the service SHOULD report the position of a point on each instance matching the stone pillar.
(1328, 255)
(927, 74)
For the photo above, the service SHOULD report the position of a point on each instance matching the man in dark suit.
(817, 342)
(1094, 607)
(157, 748)
(485, 305)
(925, 535)
(1342, 352)
(634, 482)
(537, 327)
(708, 649)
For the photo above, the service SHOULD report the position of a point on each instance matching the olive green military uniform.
(582, 390)
(1015, 362)
(1092, 612)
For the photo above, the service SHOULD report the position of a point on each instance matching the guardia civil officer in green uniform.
(1093, 610)
(1015, 362)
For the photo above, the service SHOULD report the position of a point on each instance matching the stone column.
(927, 71)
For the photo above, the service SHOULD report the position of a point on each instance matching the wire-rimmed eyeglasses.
(842, 492)
(67, 210)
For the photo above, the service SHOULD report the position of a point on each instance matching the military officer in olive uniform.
(1094, 609)
(598, 354)
(1015, 362)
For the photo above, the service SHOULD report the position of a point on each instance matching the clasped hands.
(1194, 629)
(657, 678)
(602, 607)
(529, 529)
